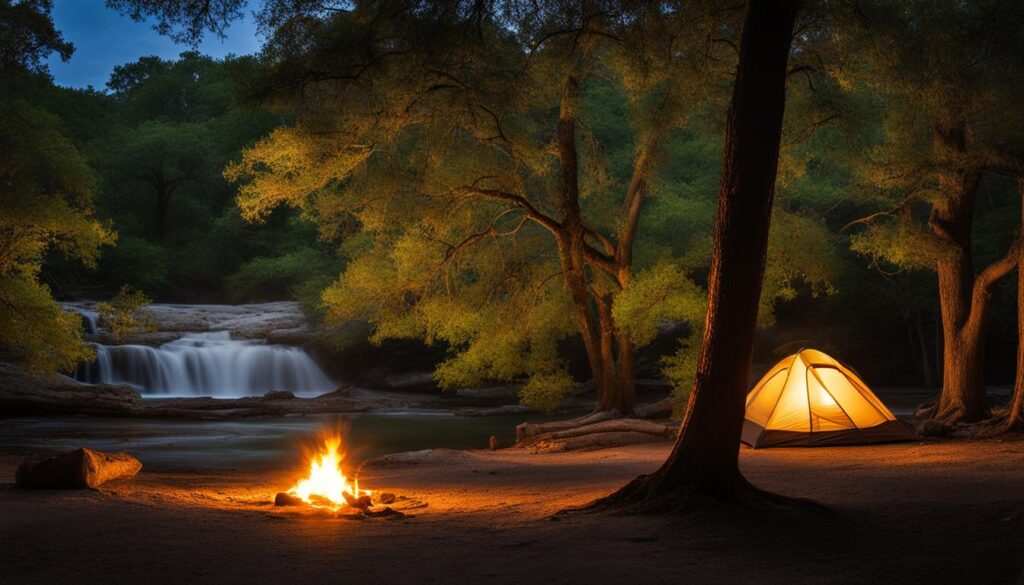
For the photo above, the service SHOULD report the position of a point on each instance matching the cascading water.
(90, 320)
(206, 364)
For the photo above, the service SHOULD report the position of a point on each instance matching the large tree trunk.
(704, 461)
(964, 298)
(572, 243)
(963, 389)
(1015, 419)
(619, 387)
(615, 388)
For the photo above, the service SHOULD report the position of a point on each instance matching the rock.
(286, 499)
(495, 444)
(278, 395)
(22, 393)
(291, 336)
(418, 380)
(150, 338)
(342, 392)
(506, 392)
(386, 498)
(504, 410)
(82, 468)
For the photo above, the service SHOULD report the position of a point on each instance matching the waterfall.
(90, 320)
(206, 364)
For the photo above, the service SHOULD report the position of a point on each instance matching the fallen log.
(660, 409)
(593, 441)
(527, 430)
(78, 469)
(626, 430)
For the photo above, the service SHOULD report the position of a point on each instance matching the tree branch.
(532, 212)
(983, 284)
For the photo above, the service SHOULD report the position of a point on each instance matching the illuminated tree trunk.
(704, 461)
(964, 297)
(1015, 419)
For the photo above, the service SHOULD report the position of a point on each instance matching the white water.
(90, 320)
(207, 364)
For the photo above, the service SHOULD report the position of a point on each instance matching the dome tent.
(810, 399)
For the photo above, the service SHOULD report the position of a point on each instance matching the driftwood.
(78, 469)
(660, 409)
(526, 430)
(593, 441)
(596, 433)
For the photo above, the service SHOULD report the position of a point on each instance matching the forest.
(604, 219)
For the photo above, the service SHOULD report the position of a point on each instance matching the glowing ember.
(327, 486)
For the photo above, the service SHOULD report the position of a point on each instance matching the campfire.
(326, 486)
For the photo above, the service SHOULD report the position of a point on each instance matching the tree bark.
(964, 298)
(963, 392)
(704, 461)
(614, 385)
(1015, 418)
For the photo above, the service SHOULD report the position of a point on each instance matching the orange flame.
(327, 485)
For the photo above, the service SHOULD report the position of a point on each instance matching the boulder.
(78, 469)
(22, 393)
(341, 392)
(278, 395)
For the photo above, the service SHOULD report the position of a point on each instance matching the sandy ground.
(911, 513)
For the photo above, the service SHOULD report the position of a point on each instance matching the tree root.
(653, 494)
(1000, 423)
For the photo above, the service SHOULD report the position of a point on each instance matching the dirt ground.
(941, 512)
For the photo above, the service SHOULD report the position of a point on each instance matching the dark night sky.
(103, 38)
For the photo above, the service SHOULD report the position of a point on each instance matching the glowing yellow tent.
(810, 399)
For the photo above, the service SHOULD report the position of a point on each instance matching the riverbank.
(936, 512)
(24, 395)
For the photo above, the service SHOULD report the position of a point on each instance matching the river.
(256, 443)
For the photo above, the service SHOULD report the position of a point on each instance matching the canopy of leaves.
(45, 199)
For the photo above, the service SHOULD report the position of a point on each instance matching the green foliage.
(45, 198)
(125, 314)
(407, 178)
(680, 369)
(28, 37)
(274, 277)
(158, 142)
(905, 244)
(546, 391)
(657, 296)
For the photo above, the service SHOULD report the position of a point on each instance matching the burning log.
(362, 502)
(326, 485)
(286, 499)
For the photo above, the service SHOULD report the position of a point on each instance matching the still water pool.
(257, 443)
